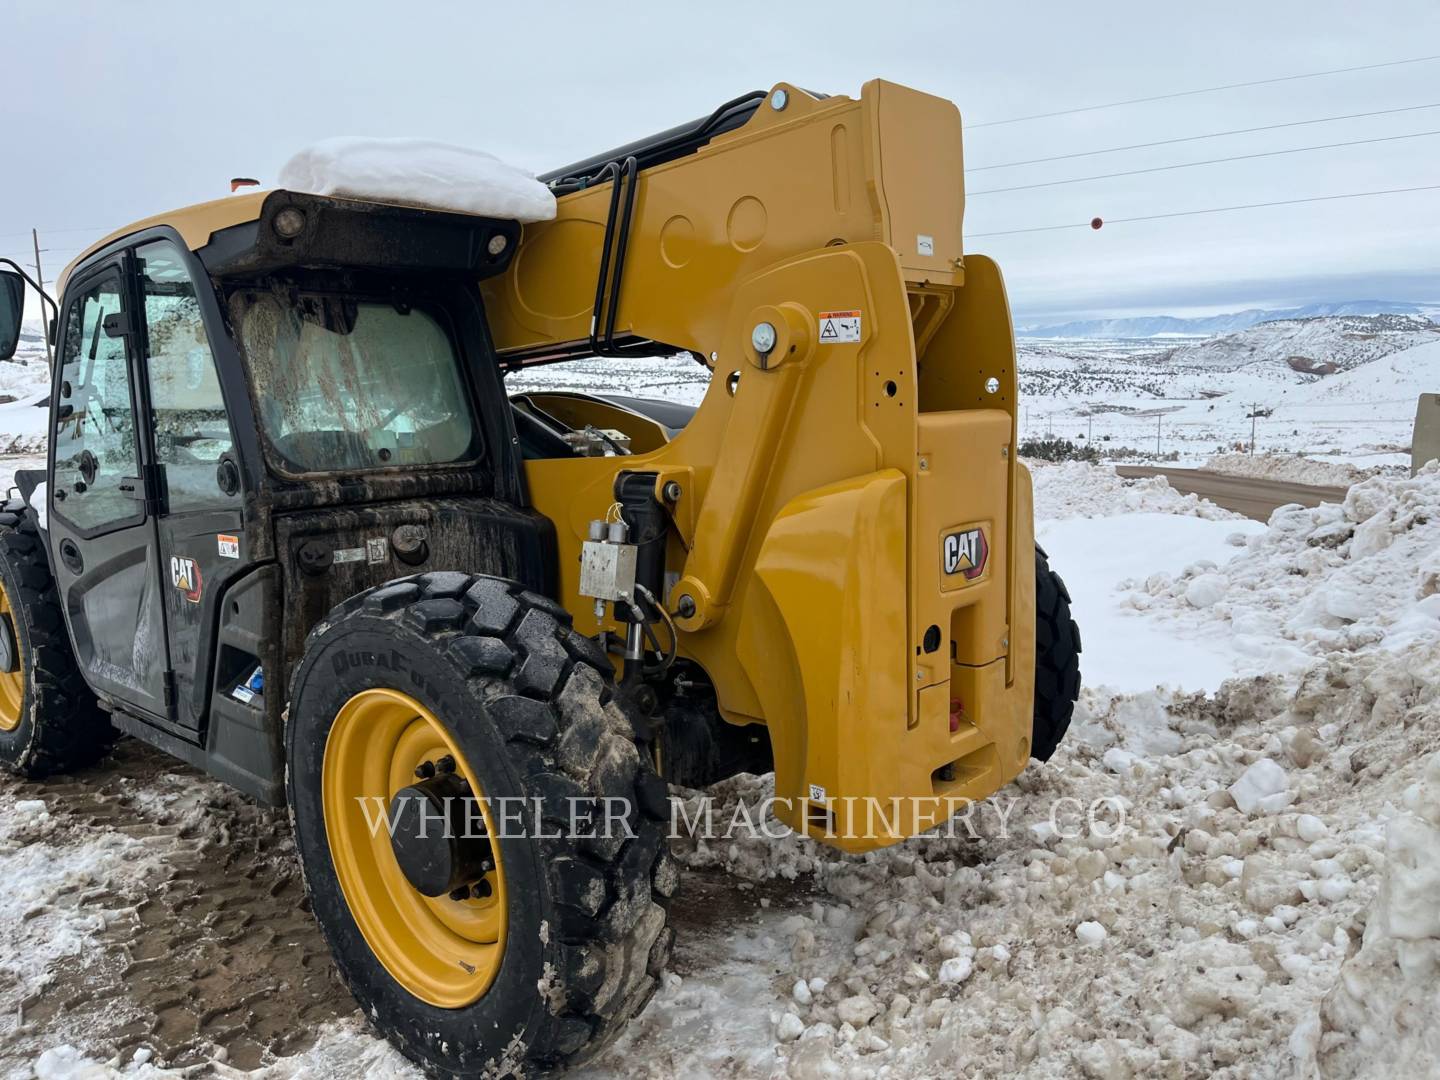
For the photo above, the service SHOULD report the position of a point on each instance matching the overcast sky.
(114, 111)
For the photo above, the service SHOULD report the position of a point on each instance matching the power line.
(98, 229)
(1204, 90)
(1209, 210)
(1197, 138)
(1207, 161)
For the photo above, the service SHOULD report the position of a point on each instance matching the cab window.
(192, 431)
(343, 383)
(94, 442)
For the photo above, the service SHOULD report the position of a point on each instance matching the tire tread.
(556, 713)
(1057, 660)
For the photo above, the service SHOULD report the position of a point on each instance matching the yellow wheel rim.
(12, 683)
(446, 952)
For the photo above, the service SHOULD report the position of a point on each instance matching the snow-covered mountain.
(1149, 326)
(1309, 347)
(1273, 356)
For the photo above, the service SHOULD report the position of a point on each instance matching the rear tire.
(527, 703)
(1057, 660)
(50, 722)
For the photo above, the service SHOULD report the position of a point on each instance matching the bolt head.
(686, 606)
(497, 244)
(779, 99)
(992, 385)
(673, 490)
(763, 337)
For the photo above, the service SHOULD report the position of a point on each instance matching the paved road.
(1244, 494)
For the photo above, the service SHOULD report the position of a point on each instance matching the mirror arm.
(46, 297)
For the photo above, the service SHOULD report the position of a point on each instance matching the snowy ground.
(1228, 869)
(1137, 406)
(1273, 834)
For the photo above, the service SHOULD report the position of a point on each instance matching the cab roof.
(193, 223)
(241, 236)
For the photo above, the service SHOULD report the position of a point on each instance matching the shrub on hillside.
(1057, 450)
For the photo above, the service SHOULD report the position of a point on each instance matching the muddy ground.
(212, 955)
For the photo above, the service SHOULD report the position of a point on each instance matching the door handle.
(70, 556)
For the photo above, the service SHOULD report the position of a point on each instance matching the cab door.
(102, 532)
(203, 544)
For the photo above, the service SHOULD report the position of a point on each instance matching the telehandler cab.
(294, 532)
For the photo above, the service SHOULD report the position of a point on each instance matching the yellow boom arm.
(854, 536)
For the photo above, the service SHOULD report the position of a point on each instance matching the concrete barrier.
(1425, 445)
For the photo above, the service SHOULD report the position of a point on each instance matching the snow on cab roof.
(408, 172)
(418, 172)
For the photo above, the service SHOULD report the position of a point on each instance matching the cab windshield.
(345, 384)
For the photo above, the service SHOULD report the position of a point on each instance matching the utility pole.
(40, 279)
(1089, 430)
(1254, 415)
(1157, 436)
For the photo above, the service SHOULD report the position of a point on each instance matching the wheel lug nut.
(425, 770)
(462, 893)
(482, 890)
(446, 764)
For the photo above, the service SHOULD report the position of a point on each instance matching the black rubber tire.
(62, 728)
(1057, 660)
(530, 704)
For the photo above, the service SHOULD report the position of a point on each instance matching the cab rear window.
(344, 384)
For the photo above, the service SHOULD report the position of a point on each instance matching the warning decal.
(839, 327)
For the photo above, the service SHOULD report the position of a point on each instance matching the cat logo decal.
(185, 576)
(966, 552)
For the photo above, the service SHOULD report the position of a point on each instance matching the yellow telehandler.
(294, 531)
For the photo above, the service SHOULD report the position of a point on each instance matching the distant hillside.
(1158, 325)
(1267, 359)
(1310, 347)
(1402, 377)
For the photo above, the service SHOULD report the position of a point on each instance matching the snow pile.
(1381, 1016)
(1126, 646)
(1100, 530)
(1340, 577)
(419, 172)
(1290, 468)
(1211, 857)
(1076, 489)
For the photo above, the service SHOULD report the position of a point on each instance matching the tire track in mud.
(213, 956)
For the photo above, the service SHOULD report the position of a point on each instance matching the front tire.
(495, 677)
(50, 722)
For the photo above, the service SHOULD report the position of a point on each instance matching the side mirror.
(12, 306)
